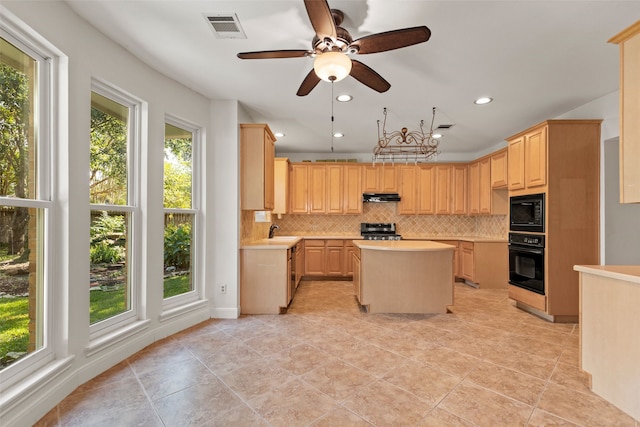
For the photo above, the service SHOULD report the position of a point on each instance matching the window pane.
(108, 157)
(178, 256)
(18, 80)
(178, 169)
(21, 283)
(110, 292)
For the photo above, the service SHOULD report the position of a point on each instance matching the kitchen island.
(403, 276)
(609, 324)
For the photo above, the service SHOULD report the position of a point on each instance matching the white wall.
(91, 55)
(622, 221)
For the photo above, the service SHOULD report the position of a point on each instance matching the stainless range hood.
(380, 197)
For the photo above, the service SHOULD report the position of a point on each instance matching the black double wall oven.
(527, 242)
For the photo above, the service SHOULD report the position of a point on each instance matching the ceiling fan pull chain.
(332, 116)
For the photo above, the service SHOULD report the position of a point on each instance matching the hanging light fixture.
(404, 146)
(332, 66)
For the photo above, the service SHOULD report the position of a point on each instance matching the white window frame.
(49, 70)
(171, 304)
(134, 227)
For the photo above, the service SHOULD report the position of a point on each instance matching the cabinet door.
(257, 151)
(499, 172)
(269, 156)
(389, 179)
(536, 158)
(467, 261)
(314, 258)
(407, 190)
(474, 188)
(371, 178)
(459, 190)
(299, 189)
(515, 167)
(426, 189)
(485, 190)
(348, 258)
(281, 186)
(317, 189)
(352, 189)
(356, 274)
(443, 189)
(334, 261)
(335, 189)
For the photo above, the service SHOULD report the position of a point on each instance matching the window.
(25, 206)
(113, 181)
(180, 144)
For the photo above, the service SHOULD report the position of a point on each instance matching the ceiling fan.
(332, 44)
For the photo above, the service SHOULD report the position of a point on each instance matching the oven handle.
(527, 250)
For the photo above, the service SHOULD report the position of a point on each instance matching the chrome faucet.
(272, 229)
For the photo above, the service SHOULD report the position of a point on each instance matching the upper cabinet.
(629, 41)
(379, 178)
(257, 153)
(499, 169)
(527, 167)
(281, 186)
(319, 188)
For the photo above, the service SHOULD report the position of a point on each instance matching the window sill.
(107, 340)
(23, 390)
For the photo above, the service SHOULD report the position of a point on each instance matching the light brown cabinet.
(629, 42)
(314, 258)
(379, 178)
(485, 264)
(325, 189)
(485, 190)
(356, 273)
(352, 189)
(459, 188)
(257, 153)
(328, 258)
(562, 160)
(443, 193)
(264, 281)
(483, 199)
(299, 189)
(407, 179)
(499, 169)
(281, 186)
(527, 166)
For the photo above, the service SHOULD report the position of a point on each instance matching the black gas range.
(379, 231)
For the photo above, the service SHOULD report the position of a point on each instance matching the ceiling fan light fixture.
(332, 66)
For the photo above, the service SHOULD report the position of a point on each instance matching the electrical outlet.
(223, 289)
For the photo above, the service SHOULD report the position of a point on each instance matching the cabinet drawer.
(335, 243)
(316, 243)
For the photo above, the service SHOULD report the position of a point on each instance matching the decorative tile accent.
(407, 225)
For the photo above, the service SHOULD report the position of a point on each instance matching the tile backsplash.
(407, 225)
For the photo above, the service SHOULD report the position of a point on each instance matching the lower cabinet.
(485, 264)
(264, 281)
(328, 258)
(355, 260)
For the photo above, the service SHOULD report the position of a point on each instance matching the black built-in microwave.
(526, 213)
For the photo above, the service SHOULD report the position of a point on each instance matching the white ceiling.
(537, 59)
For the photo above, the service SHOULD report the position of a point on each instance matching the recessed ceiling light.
(278, 134)
(483, 100)
(338, 135)
(437, 135)
(344, 98)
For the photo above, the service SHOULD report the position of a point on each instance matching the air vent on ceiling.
(444, 126)
(226, 26)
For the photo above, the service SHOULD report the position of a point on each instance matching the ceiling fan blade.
(365, 75)
(308, 83)
(390, 40)
(269, 54)
(321, 18)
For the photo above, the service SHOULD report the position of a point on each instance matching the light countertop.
(628, 273)
(277, 242)
(402, 245)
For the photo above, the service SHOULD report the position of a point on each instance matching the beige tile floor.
(325, 363)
